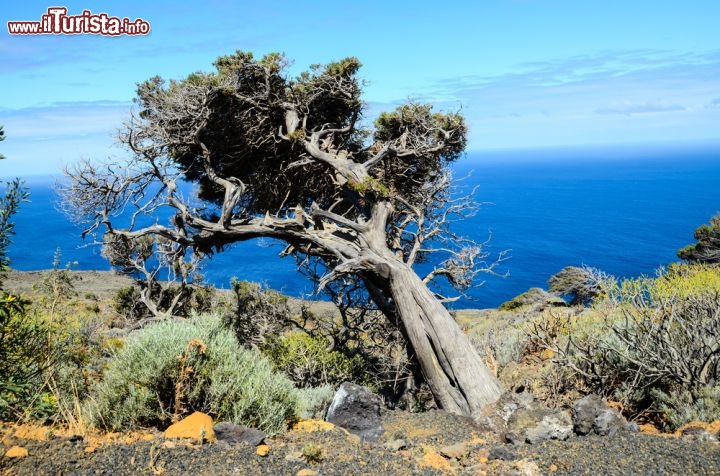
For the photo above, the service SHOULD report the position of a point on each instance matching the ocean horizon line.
(538, 154)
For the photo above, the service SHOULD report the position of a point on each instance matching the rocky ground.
(425, 443)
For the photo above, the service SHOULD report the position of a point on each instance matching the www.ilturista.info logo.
(57, 22)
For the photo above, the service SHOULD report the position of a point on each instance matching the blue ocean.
(625, 210)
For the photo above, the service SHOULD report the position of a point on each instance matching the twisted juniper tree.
(580, 284)
(707, 248)
(290, 159)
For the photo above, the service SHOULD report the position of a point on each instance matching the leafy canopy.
(238, 114)
(707, 248)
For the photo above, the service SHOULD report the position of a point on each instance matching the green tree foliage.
(25, 354)
(24, 345)
(2, 138)
(10, 202)
(580, 284)
(707, 248)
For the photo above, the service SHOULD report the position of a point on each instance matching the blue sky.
(526, 73)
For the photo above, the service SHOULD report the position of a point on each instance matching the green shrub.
(651, 343)
(373, 344)
(357, 343)
(681, 406)
(128, 301)
(531, 297)
(81, 350)
(25, 354)
(258, 314)
(172, 368)
(50, 352)
(308, 361)
(202, 299)
(313, 402)
(26, 348)
(579, 284)
(57, 283)
(312, 453)
(506, 344)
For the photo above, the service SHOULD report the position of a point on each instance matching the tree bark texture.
(457, 376)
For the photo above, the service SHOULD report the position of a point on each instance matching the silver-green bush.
(172, 368)
(681, 406)
(314, 402)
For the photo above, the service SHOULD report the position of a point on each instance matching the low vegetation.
(649, 343)
(172, 368)
(355, 344)
(25, 354)
(707, 248)
(26, 349)
(579, 284)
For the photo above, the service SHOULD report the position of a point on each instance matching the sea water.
(624, 210)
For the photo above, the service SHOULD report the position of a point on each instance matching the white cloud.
(630, 108)
(41, 140)
(659, 96)
(65, 119)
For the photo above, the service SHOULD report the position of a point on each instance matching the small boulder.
(457, 451)
(307, 472)
(396, 445)
(358, 410)
(197, 426)
(295, 457)
(697, 433)
(495, 417)
(609, 422)
(591, 414)
(700, 430)
(533, 425)
(232, 433)
(525, 467)
(501, 453)
(16, 452)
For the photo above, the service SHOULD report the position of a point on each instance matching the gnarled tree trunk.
(459, 380)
